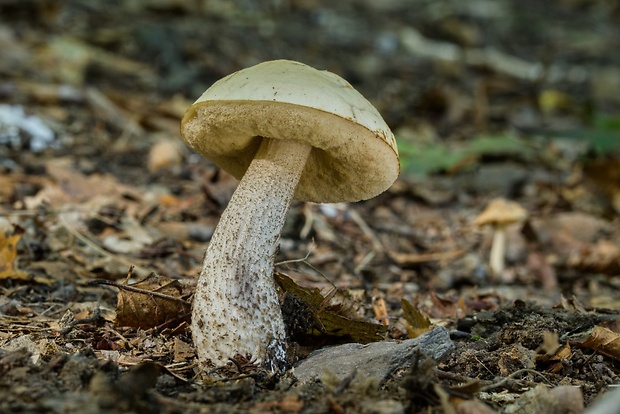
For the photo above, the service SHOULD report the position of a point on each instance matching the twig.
(309, 219)
(302, 260)
(137, 290)
(489, 385)
(118, 334)
(357, 219)
(408, 259)
(413, 41)
(362, 265)
(511, 376)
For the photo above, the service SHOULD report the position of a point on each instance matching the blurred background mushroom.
(499, 214)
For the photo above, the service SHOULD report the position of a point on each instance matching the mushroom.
(500, 213)
(285, 130)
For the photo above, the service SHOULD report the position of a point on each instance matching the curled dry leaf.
(329, 320)
(151, 302)
(8, 260)
(604, 341)
(417, 323)
(552, 353)
(8, 256)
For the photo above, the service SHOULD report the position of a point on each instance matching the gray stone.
(608, 403)
(377, 359)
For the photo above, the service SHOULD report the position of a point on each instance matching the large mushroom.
(285, 130)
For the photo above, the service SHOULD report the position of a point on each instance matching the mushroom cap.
(501, 212)
(354, 155)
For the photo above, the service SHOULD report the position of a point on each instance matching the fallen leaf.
(417, 323)
(410, 259)
(150, 302)
(601, 257)
(447, 306)
(8, 256)
(380, 308)
(330, 322)
(69, 186)
(182, 351)
(604, 341)
(552, 353)
(164, 154)
(580, 241)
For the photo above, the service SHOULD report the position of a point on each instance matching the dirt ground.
(101, 204)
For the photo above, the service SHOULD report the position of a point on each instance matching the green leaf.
(426, 159)
(432, 158)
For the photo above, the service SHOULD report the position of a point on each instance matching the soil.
(488, 99)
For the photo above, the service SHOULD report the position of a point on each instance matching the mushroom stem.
(498, 250)
(236, 308)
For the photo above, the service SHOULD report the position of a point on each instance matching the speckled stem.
(236, 307)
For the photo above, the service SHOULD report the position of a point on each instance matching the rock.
(607, 403)
(377, 359)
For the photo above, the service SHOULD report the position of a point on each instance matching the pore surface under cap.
(354, 154)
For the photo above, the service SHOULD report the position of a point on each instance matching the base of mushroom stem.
(275, 359)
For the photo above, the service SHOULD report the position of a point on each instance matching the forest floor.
(492, 99)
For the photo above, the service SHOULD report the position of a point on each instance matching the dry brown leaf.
(164, 154)
(550, 343)
(151, 302)
(71, 186)
(562, 354)
(182, 351)
(576, 239)
(600, 257)
(604, 341)
(410, 259)
(331, 321)
(447, 306)
(380, 308)
(8, 256)
(572, 304)
(10, 183)
(417, 323)
(553, 353)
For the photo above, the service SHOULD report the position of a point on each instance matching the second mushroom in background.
(500, 213)
(285, 130)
